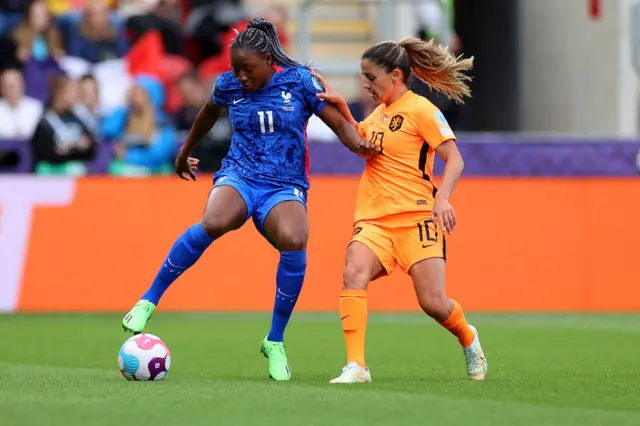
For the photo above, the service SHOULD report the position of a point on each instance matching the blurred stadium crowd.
(112, 86)
(105, 86)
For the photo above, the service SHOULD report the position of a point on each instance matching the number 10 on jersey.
(263, 127)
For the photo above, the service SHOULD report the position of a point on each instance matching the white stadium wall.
(576, 70)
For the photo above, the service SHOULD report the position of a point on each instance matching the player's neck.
(396, 96)
(270, 77)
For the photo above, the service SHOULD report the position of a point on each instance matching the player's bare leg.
(429, 282)
(287, 228)
(362, 266)
(225, 211)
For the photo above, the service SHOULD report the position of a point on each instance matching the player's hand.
(330, 95)
(367, 149)
(443, 214)
(186, 167)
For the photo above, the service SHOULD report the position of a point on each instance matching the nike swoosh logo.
(345, 317)
(237, 101)
(430, 245)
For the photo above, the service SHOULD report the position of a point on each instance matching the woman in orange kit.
(400, 217)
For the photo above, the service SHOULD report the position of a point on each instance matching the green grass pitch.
(543, 370)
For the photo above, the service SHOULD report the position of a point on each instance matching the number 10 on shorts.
(426, 234)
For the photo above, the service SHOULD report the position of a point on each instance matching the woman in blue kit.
(269, 97)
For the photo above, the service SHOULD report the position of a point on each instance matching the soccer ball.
(144, 357)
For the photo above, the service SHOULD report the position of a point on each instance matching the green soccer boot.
(137, 317)
(279, 368)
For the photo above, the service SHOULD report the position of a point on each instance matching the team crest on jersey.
(396, 123)
(286, 101)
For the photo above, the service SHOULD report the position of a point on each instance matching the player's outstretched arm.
(205, 120)
(347, 134)
(333, 97)
(343, 107)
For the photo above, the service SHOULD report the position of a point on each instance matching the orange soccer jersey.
(396, 192)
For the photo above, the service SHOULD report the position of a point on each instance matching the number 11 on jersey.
(269, 115)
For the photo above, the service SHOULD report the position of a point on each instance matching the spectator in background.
(62, 7)
(193, 97)
(145, 140)
(87, 108)
(19, 113)
(95, 38)
(129, 8)
(209, 24)
(141, 123)
(35, 37)
(62, 144)
(11, 12)
(164, 18)
(215, 145)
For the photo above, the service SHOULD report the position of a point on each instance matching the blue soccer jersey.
(269, 126)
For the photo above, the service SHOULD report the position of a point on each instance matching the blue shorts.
(260, 197)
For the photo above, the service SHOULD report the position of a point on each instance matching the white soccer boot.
(353, 373)
(475, 359)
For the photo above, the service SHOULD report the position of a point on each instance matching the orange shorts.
(401, 240)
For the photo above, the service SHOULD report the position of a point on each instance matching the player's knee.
(435, 304)
(214, 226)
(355, 277)
(292, 240)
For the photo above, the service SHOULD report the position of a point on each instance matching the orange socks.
(353, 311)
(458, 326)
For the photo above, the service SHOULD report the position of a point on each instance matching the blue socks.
(185, 252)
(194, 241)
(289, 280)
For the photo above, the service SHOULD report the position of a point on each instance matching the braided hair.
(261, 36)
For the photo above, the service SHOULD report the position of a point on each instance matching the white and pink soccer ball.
(144, 357)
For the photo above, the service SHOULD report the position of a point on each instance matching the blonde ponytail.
(439, 68)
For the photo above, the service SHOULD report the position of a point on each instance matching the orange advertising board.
(525, 244)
